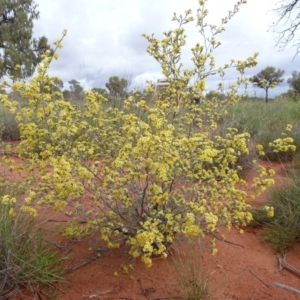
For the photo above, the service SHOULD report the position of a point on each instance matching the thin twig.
(96, 294)
(82, 265)
(65, 221)
(225, 241)
(258, 278)
(166, 298)
(56, 245)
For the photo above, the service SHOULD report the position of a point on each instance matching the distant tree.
(267, 78)
(67, 94)
(59, 84)
(17, 47)
(75, 92)
(215, 94)
(118, 90)
(290, 95)
(101, 91)
(117, 86)
(288, 13)
(294, 82)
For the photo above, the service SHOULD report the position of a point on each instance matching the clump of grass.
(260, 218)
(193, 279)
(266, 123)
(296, 163)
(25, 258)
(281, 231)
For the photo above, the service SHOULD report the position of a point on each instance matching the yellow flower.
(270, 211)
(147, 261)
(12, 213)
(289, 127)
(259, 147)
(214, 251)
(7, 200)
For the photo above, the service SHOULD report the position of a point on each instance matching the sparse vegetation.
(26, 260)
(266, 123)
(281, 231)
(194, 281)
(149, 171)
(139, 170)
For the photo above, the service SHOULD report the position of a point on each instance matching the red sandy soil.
(244, 268)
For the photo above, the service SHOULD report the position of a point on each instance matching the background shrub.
(266, 123)
(25, 257)
(282, 230)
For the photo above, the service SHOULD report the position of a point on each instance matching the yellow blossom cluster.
(283, 145)
(7, 200)
(270, 211)
(281, 148)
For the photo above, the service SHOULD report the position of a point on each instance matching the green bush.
(282, 230)
(25, 258)
(266, 123)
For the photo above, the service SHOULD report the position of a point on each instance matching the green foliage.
(282, 230)
(296, 162)
(267, 78)
(25, 258)
(145, 173)
(101, 91)
(118, 90)
(20, 53)
(58, 85)
(266, 123)
(294, 82)
(117, 86)
(212, 94)
(290, 95)
(75, 93)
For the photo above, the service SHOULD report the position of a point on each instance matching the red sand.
(246, 270)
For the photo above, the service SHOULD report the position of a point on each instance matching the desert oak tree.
(267, 78)
(294, 81)
(19, 51)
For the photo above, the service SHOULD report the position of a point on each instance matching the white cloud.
(104, 37)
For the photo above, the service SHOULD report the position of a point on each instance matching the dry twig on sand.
(284, 264)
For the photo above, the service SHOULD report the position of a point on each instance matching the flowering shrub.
(281, 149)
(141, 175)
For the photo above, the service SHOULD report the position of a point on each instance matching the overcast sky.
(104, 38)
